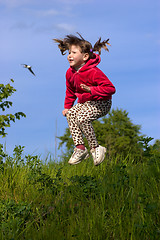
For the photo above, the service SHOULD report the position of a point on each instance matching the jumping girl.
(94, 92)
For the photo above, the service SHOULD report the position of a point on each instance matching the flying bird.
(29, 68)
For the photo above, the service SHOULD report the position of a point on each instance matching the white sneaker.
(98, 154)
(78, 155)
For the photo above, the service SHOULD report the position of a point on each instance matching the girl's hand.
(64, 112)
(85, 88)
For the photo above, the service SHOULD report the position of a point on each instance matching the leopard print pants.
(80, 119)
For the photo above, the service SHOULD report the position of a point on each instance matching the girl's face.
(76, 58)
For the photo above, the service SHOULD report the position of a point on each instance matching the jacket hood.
(91, 63)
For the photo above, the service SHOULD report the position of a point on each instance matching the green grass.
(49, 200)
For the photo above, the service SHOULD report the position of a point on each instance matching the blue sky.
(27, 28)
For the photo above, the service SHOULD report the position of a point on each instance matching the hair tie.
(91, 50)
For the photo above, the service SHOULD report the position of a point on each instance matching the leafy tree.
(66, 140)
(117, 133)
(120, 135)
(6, 91)
(155, 149)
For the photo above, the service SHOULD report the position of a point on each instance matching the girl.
(94, 92)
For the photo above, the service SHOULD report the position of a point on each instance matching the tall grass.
(118, 200)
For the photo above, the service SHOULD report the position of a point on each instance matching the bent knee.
(82, 119)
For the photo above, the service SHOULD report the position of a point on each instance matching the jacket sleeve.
(70, 95)
(103, 86)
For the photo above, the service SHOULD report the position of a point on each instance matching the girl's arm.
(69, 98)
(70, 93)
(104, 86)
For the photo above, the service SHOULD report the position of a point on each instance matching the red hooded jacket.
(101, 87)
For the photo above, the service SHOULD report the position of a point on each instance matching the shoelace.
(96, 153)
(76, 151)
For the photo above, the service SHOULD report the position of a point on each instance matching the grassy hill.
(118, 200)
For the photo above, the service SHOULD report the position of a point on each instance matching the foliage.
(118, 134)
(5, 92)
(68, 141)
(48, 200)
(155, 148)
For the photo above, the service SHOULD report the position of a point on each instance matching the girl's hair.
(86, 47)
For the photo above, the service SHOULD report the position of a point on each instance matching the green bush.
(5, 120)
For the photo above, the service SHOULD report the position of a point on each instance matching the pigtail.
(80, 36)
(62, 45)
(98, 45)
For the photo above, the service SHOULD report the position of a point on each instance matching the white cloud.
(14, 3)
(65, 26)
(51, 12)
(46, 13)
(76, 1)
(22, 26)
(19, 3)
